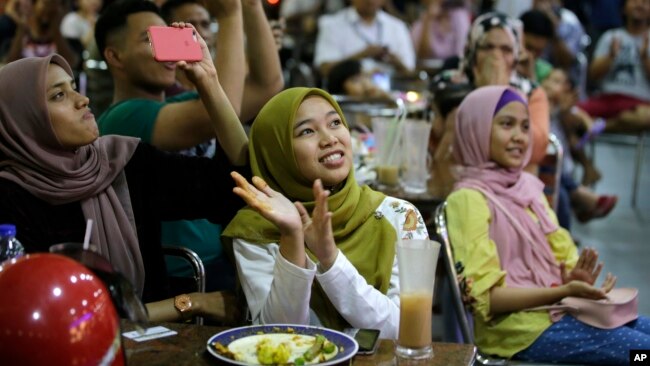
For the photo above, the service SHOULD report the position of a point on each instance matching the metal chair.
(462, 314)
(550, 170)
(197, 267)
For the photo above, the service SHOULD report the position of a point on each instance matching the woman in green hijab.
(309, 219)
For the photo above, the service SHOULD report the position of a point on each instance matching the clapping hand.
(582, 278)
(272, 205)
(491, 71)
(585, 290)
(587, 268)
(318, 228)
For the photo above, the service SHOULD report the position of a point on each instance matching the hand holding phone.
(368, 339)
(171, 44)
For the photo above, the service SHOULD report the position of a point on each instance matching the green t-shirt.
(137, 117)
(542, 69)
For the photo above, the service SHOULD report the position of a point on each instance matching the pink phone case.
(174, 44)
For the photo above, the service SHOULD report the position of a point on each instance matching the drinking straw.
(395, 133)
(89, 227)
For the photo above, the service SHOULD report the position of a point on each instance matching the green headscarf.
(366, 239)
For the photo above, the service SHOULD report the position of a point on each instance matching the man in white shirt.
(364, 32)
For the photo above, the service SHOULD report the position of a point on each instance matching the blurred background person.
(80, 24)
(441, 31)
(348, 78)
(621, 66)
(364, 32)
(38, 34)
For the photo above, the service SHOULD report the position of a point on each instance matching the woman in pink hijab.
(513, 255)
(55, 173)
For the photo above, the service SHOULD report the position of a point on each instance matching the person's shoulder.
(126, 108)
(569, 17)
(332, 19)
(607, 36)
(72, 16)
(129, 117)
(390, 20)
(466, 196)
(395, 204)
(183, 97)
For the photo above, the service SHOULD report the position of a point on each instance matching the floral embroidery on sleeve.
(413, 222)
(465, 285)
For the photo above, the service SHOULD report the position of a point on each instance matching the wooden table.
(188, 348)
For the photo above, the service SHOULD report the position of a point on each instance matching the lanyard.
(357, 30)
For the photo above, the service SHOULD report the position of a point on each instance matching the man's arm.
(230, 49)
(604, 56)
(185, 124)
(264, 78)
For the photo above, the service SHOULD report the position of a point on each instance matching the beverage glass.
(417, 261)
(415, 172)
(385, 131)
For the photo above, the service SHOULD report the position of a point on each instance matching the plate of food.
(282, 344)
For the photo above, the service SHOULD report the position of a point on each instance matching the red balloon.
(55, 311)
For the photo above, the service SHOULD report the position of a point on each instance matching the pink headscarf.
(32, 157)
(528, 263)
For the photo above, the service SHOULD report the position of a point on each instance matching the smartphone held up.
(171, 44)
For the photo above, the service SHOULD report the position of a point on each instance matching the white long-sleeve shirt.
(278, 291)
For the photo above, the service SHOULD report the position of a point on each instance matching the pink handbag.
(619, 308)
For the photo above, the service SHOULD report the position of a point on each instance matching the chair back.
(550, 170)
(463, 316)
(440, 222)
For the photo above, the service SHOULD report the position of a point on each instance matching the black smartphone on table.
(368, 339)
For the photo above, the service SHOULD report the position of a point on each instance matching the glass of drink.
(387, 139)
(417, 261)
(415, 172)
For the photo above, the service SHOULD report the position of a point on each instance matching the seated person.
(562, 49)
(444, 106)
(37, 33)
(260, 77)
(56, 173)
(80, 24)
(329, 258)
(514, 255)
(183, 123)
(441, 31)
(348, 78)
(567, 122)
(491, 57)
(364, 32)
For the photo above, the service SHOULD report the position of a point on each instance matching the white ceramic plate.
(347, 346)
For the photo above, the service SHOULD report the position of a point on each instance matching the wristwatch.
(183, 303)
